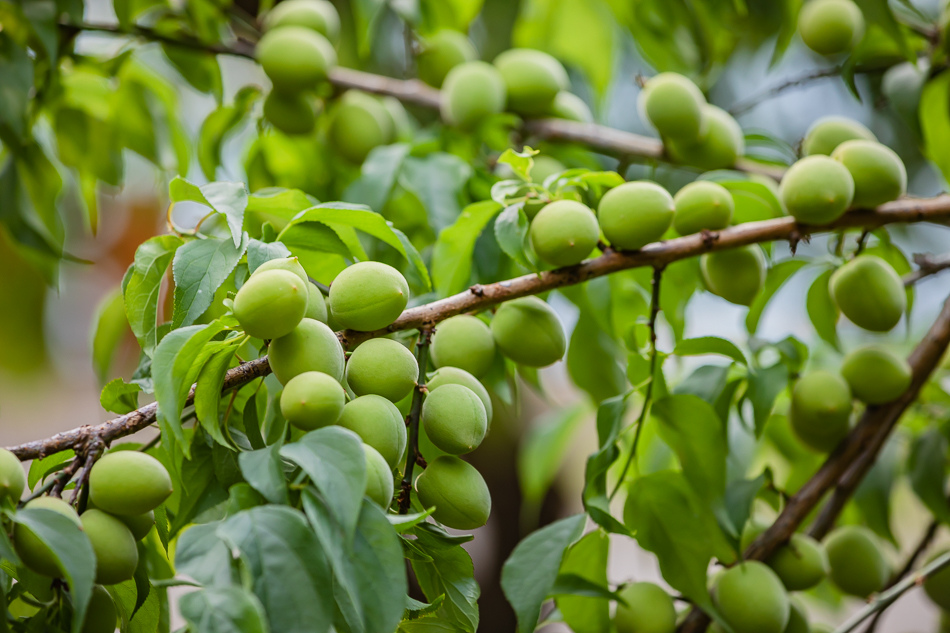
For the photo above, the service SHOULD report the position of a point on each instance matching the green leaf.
(16, 76)
(199, 268)
(228, 199)
(822, 309)
(690, 426)
(145, 618)
(208, 386)
(259, 252)
(511, 232)
(543, 450)
(378, 175)
(764, 387)
(143, 286)
(438, 181)
(934, 117)
(367, 14)
(453, 250)
(405, 522)
(927, 464)
(449, 572)
(529, 573)
(262, 469)
(111, 326)
(201, 554)
(710, 345)
(223, 610)
(609, 425)
(587, 559)
(520, 162)
(43, 467)
(199, 68)
(592, 360)
(120, 397)
(778, 274)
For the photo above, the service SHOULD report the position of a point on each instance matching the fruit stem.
(412, 421)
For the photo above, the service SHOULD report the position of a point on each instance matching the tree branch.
(412, 421)
(927, 265)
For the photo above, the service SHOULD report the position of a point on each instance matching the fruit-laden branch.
(859, 449)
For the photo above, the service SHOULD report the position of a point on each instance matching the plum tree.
(34, 553)
(379, 424)
(635, 213)
(441, 52)
(12, 478)
(455, 419)
(532, 79)
(857, 565)
(878, 172)
(817, 190)
(937, 585)
(675, 106)
(379, 477)
(295, 58)
(568, 105)
(312, 400)
(101, 616)
(271, 304)
(649, 609)
(472, 92)
(463, 341)
(358, 123)
(875, 374)
(457, 491)
(128, 483)
(383, 367)
(528, 331)
(736, 275)
(458, 376)
(368, 296)
(827, 133)
(116, 553)
(719, 147)
(751, 599)
(702, 205)
(801, 563)
(319, 15)
(311, 346)
(830, 27)
(820, 410)
(869, 292)
(564, 233)
(291, 113)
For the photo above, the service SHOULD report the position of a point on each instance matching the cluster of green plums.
(125, 487)
(370, 390)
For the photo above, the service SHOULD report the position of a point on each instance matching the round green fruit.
(820, 411)
(937, 585)
(878, 172)
(736, 274)
(12, 477)
(117, 555)
(378, 422)
(751, 599)
(291, 113)
(532, 79)
(128, 483)
(311, 346)
(869, 292)
(649, 609)
(702, 205)
(564, 233)
(635, 213)
(319, 15)
(543, 167)
(454, 418)
(312, 400)
(295, 58)
(383, 367)
(101, 616)
(457, 491)
(830, 27)
(358, 124)
(441, 52)
(139, 524)
(472, 92)
(675, 106)
(368, 296)
(800, 564)
(290, 264)
(875, 374)
(902, 86)
(722, 144)
(797, 618)
(271, 304)
(568, 105)
(528, 331)
(857, 565)
(32, 551)
(829, 132)
(817, 190)
(316, 304)
(379, 478)
(463, 341)
(457, 376)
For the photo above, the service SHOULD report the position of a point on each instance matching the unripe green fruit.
(829, 132)
(442, 52)
(379, 478)
(797, 618)
(817, 190)
(295, 58)
(463, 341)
(937, 585)
(875, 374)
(858, 566)
(751, 599)
(568, 105)
(290, 264)
(101, 615)
(902, 86)
(403, 127)
(457, 376)
(128, 483)
(532, 79)
(316, 304)
(869, 292)
(358, 124)
(822, 628)
(675, 107)
(32, 551)
(736, 274)
(457, 491)
(472, 92)
(564, 233)
(635, 213)
(378, 422)
(528, 331)
(800, 564)
(117, 556)
(139, 524)
(319, 15)
(312, 400)
(878, 172)
(719, 147)
(311, 346)
(455, 419)
(829, 27)
(291, 113)
(383, 367)
(368, 296)
(543, 167)
(271, 304)
(649, 609)
(12, 477)
(821, 409)
(702, 205)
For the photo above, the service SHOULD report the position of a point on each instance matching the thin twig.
(81, 492)
(63, 478)
(862, 241)
(412, 421)
(927, 265)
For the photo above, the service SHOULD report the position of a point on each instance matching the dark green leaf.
(120, 397)
(690, 426)
(764, 387)
(709, 345)
(592, 360)
(511, 232)
(223, 610)
(199, 268)
(452, 253)
(378, 176)
(263, 471)
(449, 572)
(927, 464)
(259, 252)
(587, 561)
(143, 287)
(609, 425)
(437, 180)
(228, 199)
(201, 554)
